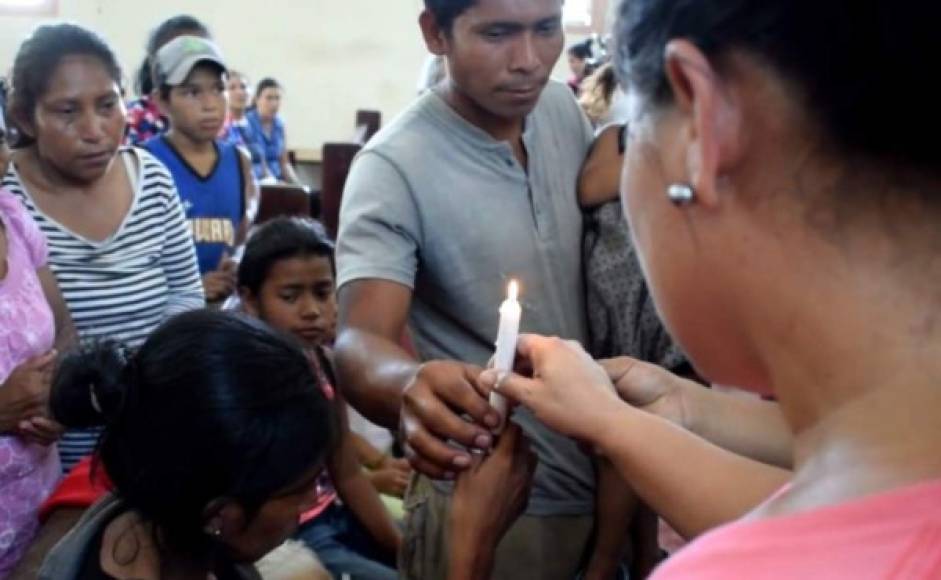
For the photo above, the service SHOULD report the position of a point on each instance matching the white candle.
(507, 336)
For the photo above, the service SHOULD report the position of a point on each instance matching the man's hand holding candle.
(432, 405)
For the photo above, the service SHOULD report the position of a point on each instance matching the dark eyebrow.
(508, 26)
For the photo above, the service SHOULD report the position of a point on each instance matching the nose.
(310, 307)
(90, 127)
(525, 55)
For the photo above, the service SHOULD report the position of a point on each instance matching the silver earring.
(681, 194)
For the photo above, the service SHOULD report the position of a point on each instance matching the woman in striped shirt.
(118, 242)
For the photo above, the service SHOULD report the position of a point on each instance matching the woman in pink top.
(31, 309)
(783, 182)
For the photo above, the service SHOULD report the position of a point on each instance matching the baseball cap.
(176, 59)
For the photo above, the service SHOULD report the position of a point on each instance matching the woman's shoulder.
(66, 560)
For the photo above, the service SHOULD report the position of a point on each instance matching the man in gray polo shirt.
(471, 186)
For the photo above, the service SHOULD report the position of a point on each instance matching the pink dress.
(28, 472)
(893, 535)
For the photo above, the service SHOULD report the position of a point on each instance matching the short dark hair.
(263, 84)
(279, 239)
(212, 405)
(37, 59)
(159, 36)
(446, 11)
(581, 50)
(858, 64)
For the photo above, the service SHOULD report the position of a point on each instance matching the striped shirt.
(122, 288)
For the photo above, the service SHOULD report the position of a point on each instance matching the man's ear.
(436, 38)
(249, 301)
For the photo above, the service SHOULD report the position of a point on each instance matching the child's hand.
(218, 284)
(392, 477)
(25, 394)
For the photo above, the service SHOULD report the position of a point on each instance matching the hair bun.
(90, 385)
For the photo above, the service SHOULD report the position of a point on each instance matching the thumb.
(510, 385)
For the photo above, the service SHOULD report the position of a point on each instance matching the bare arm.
(357, 491)
(692, 483)
(599, 181)
(387, 385)
(65, 330)
(58, 524)
(371, 365)
(287, 170)
(251, 197)
(615, 506)
(742, 424)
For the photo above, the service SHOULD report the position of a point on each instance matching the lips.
(99, 158)
(309, 333)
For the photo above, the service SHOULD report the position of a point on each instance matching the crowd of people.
(186, 393)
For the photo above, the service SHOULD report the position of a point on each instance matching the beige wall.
(332, 56)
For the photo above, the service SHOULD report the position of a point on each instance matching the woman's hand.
(568, 390)
(25, 393)
(487, 499)
(650, 388)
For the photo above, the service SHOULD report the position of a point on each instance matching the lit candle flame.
(512, 291)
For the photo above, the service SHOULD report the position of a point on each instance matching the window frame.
(599, 12)
(44, 8)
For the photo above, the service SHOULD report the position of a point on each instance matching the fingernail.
(489, 378)
(483, 442)
(461, 461)
(492, 420)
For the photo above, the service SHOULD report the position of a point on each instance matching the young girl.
(235, 130)
(286, 279)
(216, 430)
(34, 322)
(118, 242)
(268, 142)
(145, 120)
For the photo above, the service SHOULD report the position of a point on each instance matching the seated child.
(286, 278)
(214, 178)
(215, 431)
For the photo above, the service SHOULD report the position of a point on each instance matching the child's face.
(298, 297)
(197, 107)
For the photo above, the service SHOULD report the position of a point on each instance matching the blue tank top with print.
(214, 204)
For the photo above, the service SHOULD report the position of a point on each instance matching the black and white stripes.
(125, 286)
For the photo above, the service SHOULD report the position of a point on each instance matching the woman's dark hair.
(263, 84)
(445, 11)
(37, 59)
(212, 406)
(581, 50)
(858, 65)
(164, 33)
(279, 239)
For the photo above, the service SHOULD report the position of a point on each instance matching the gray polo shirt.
(436, 204)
